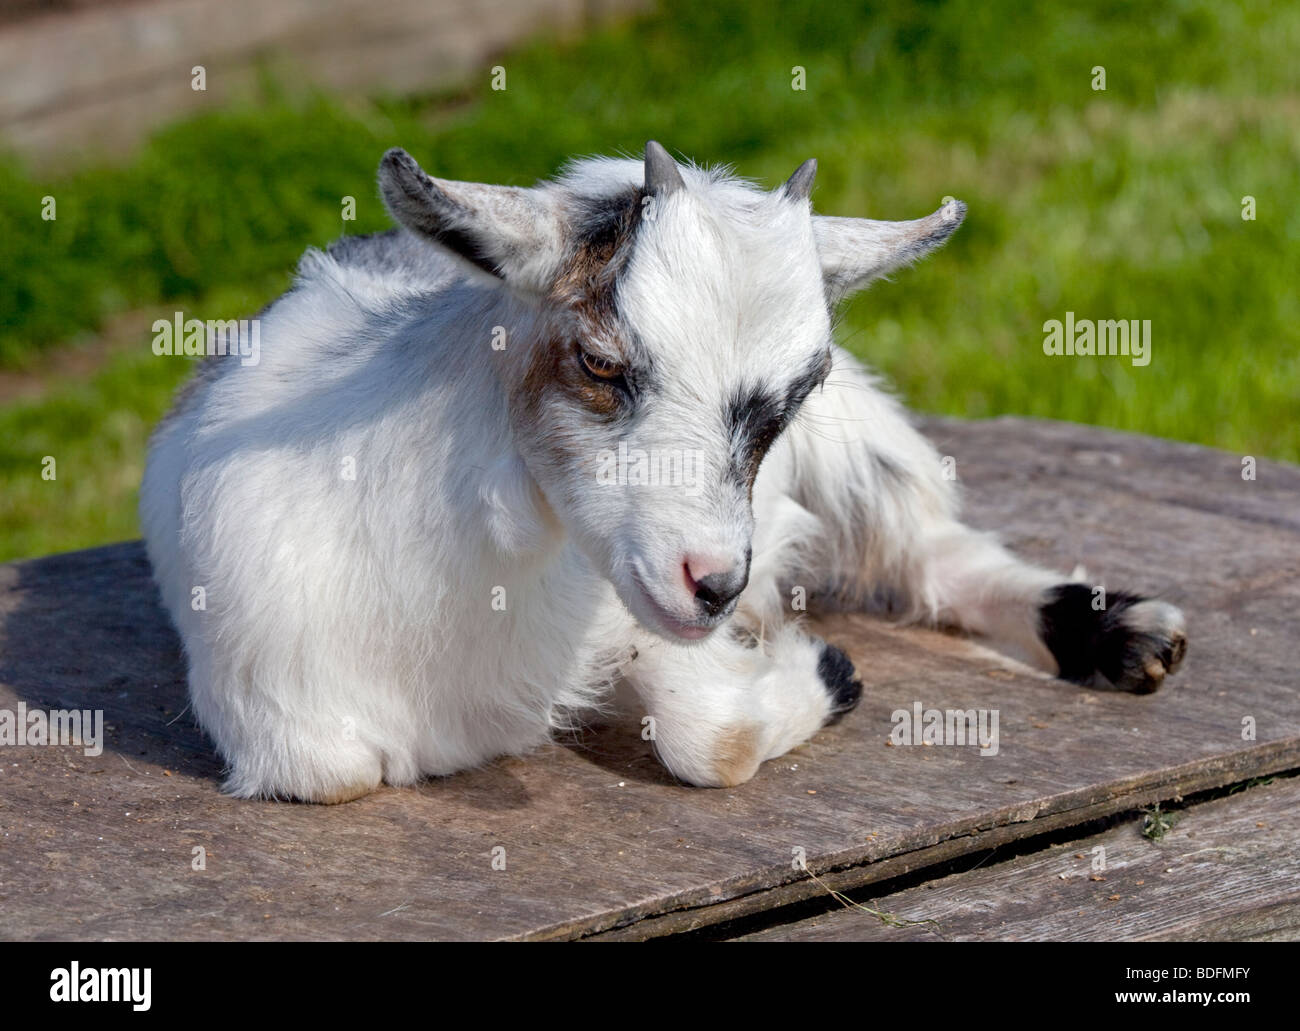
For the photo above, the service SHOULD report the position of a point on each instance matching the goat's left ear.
(511, 233)
(854, 251)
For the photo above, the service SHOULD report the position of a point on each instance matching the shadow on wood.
(596, 838)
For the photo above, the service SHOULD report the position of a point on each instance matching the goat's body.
(365, 605)
(371, 587)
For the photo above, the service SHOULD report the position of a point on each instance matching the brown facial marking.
(583, 294)
(602, 247)
(555, 366)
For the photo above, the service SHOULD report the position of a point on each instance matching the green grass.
(1117, 204)
(1156, 823)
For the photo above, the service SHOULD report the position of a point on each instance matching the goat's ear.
(514, 234)
(854, 251)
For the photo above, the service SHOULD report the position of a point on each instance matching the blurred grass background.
(1118, 204)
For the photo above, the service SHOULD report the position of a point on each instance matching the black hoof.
(1131, 644)
(841, 681)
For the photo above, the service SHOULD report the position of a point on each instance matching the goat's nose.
(716, 583)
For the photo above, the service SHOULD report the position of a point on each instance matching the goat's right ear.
(855, 251)
(513, 234)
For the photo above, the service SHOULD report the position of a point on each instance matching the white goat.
(410, 563)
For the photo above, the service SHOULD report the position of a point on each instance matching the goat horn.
(799, 186)
(661, 172)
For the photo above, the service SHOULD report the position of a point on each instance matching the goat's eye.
(601, 368)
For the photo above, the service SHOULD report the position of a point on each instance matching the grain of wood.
(103, 77)
(597, 837)
(1228, 870)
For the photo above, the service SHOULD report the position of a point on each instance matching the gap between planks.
(1227, 869)
(933, 857)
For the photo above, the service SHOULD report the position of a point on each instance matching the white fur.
(349, 635)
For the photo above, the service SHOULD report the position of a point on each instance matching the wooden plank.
(103, 77)
(597, 837)
(1228, 869)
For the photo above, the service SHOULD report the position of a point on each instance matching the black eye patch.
(754, 421)
(816, 375)
(756, 417)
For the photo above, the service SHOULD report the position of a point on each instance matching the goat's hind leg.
(890, 534)
(966, 579)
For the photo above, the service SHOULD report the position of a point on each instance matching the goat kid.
(410, 565)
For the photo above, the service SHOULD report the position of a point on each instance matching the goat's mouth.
(664, 621)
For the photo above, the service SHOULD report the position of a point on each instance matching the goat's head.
(679, 318)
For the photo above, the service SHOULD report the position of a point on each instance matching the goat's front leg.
(722, 707)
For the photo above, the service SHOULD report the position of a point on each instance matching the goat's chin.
(660, 620)
(686, 632)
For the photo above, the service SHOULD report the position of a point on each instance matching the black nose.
(718, 590)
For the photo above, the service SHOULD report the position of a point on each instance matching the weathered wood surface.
(1228, 870)
(103, 76)
(597, 837)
